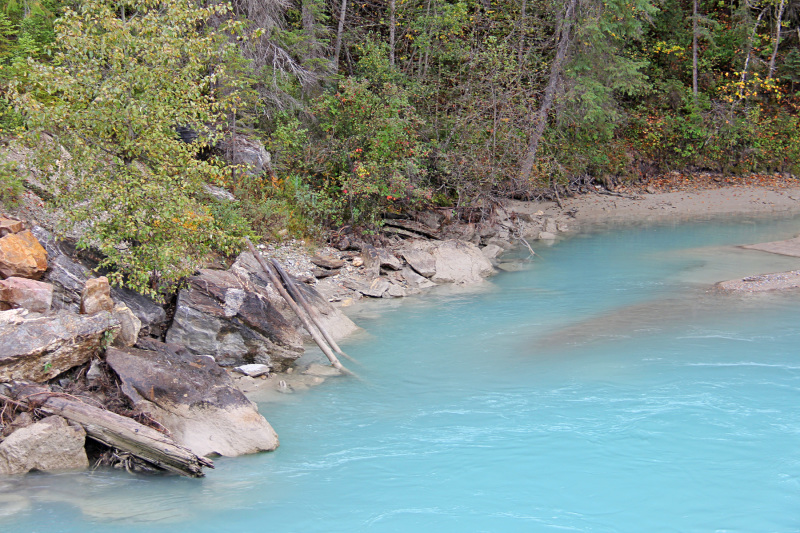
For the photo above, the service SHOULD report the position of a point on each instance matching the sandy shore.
(635, 207)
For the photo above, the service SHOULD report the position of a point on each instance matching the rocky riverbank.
(179, 369)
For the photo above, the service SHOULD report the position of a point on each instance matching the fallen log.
(276, 282)
(298, 296)
(116, 431)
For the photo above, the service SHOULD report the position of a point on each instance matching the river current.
(602, 389)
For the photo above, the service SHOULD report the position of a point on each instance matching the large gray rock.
(150, 314)
(250, 153)
(35, 347)
(450, 261)
(337, 323)
(225, 315)
(193, 398)
(50, 445)
(460, 262)
(417, 256)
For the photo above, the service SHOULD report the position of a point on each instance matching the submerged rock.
(193, 398)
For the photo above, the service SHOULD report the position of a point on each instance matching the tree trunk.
(777, 40)
(694, 50)
(540, 119)
(339, 31)
(750, 52)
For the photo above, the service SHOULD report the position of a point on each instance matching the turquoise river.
(602, 389)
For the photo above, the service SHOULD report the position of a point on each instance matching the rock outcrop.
(225, 315)
(49, 445)
(37, 348)
(193, 398)
(453, 261)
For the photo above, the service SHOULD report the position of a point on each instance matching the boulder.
(240, 150)
(371, 260)
(96, 296)
(29, 294)
(375, 289)
(415, 280)
(546, 236)
(193, 398)
(416, 255)
(225, 315)
(491, 251)
(50, 445)
(22, 256)
(327, 262)
(37, 348)
(388, 260)
(460, 262)
(130, 325)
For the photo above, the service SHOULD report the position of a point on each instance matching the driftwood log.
(276, 282)
(116, 431)
(313, 314)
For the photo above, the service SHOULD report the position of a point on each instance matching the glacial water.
(604, 389)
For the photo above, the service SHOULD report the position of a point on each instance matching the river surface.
(603, 389)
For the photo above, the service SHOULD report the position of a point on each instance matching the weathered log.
(298, 296)
(116, 431)
(276, 282)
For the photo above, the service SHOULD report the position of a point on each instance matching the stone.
(29, 294)
(375, 289)
(419, 259)
(96, 296)
(219, 193)
(357, 262)
(388, 260)
(328, 262)
(226, 315)
(415, 280)
(50, 445)
(22, 256)
(459, 262)
(322, 273)
(9, 225)
(395, 291)
(550, 225)
(38, 347)
(194, 398)
(372, 261)
(250, 153)
(546, 236)
(254, 370)
(491, 251)
(130, 326)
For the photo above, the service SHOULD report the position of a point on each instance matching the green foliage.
(11, 187)
(123, 75)
(361, 157)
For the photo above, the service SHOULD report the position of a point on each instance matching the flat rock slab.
(194, 398)
(790, 247)
(36, 347)
(763, 282)
(327, 262)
